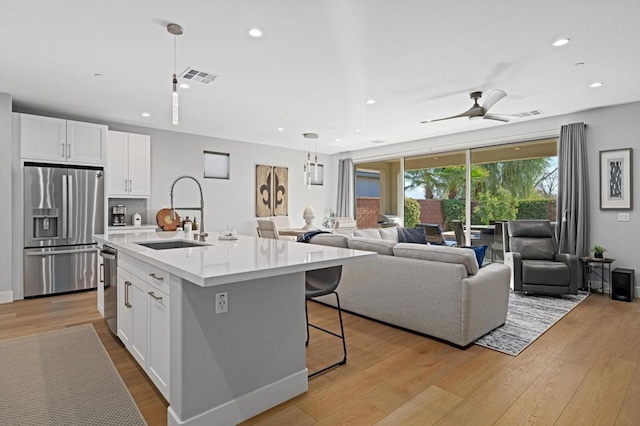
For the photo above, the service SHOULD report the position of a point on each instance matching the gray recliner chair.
(537, 267)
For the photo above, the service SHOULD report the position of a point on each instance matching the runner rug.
(63, 377)
(528, 317)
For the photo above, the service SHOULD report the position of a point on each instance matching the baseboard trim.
(6, 296)
(249, 405)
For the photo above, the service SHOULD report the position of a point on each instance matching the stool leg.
(306, 315)
(341, 336)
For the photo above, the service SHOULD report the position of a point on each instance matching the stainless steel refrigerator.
(63, 208)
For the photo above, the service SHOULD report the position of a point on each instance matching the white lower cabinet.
(158, 359)
(139, 337)
(124, 312)
(143, 320)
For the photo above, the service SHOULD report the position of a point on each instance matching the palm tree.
(424, 178)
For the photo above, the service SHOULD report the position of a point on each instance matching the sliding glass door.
(378, 191)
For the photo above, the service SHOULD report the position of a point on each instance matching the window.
(216, 165)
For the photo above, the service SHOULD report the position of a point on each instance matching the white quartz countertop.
(222, 262)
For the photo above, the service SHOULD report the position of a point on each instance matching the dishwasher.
(110, 256)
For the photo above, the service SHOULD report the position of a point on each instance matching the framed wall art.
(272, 191)
(616, 179)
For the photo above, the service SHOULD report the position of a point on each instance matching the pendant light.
(176, 30)
(307, 165)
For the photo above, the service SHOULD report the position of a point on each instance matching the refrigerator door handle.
(65, 206)
(70, 208)
(57, 252)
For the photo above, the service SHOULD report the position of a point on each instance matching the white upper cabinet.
(86, 142)
(129, 165)
(54, 139)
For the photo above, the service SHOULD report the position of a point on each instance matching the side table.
(590, 265)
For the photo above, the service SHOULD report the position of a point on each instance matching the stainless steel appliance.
(118, 214)
(63, 208)
(110, 256)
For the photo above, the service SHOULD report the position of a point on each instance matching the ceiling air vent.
(195, 75)
(529, 113)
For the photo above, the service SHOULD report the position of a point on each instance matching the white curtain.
(345, 188)
(573, 191)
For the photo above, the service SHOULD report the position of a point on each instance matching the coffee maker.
(118, 214)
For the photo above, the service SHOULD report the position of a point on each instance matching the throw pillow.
(480, 251)
(411, 235)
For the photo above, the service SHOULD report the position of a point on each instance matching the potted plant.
(598, 251)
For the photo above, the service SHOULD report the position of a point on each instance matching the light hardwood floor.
(584, 370)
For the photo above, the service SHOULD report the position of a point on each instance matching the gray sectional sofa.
(430, 289)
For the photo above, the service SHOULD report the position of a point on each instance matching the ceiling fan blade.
(493, 98)
(471, 112)
(440, 119)
(498, 117)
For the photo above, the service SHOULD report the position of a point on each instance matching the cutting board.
(164, 220)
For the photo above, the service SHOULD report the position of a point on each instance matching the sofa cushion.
(371, 233)
(412, 235)
(333, 240)
(479, 251)
(389, 233)
(379, 245)
(437, 253)
(347, 232)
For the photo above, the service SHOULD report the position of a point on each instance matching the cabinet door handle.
(68, 150)
(152, 294)
(127, 284)
(102, 272)
(64, 152)
(125, 186)
(155, 277)
(130, 186)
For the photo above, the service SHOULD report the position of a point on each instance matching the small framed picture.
(317, 174)
(616, 179)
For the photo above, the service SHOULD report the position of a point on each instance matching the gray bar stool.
(322, 282)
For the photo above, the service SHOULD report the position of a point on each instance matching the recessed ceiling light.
(596, 84)
(184, 85)
(281, 129)
(517, 149)
(337, 140)
(146, 114)
(561, 42)
(371, 101)
(357, 130)
(435, 158)
(255, 32)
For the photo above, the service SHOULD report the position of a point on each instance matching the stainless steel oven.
(110, 256)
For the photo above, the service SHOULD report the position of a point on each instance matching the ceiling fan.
(477, 111)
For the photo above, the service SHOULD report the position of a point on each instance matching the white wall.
(609, 128)
(6, 244)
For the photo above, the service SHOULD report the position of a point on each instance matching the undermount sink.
(166, 245)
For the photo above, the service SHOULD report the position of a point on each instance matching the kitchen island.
(218, 368)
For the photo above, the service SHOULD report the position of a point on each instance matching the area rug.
(528, 317)
(63, 377)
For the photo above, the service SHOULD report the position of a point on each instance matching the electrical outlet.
(623, 217)
(222, 302)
